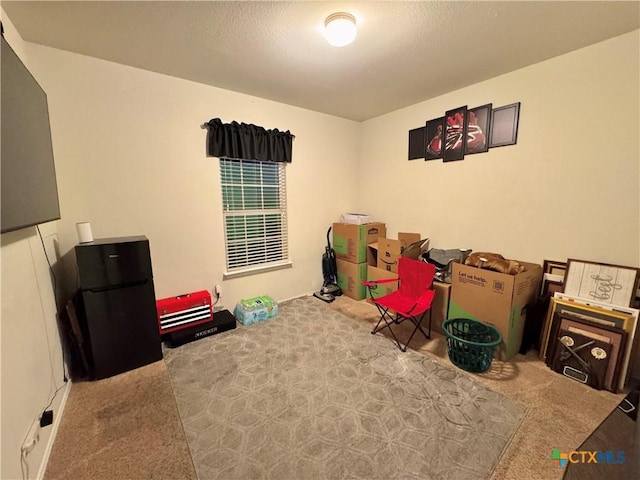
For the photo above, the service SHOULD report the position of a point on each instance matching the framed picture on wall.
(433, 142)
(478, 129)
(416, 143)
(455, 128)
(504, 125)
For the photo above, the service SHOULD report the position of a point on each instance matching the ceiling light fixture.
(340, 29)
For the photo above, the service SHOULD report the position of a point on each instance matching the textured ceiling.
(405, 52)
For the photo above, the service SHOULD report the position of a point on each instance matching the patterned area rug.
(311, 394)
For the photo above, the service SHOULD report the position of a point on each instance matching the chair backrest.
(415, 277)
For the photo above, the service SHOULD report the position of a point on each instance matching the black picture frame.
(417, 143)
(478, 129)
(455, 128)
(433, 139)
(504, 125)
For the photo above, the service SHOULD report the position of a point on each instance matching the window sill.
(255, 270)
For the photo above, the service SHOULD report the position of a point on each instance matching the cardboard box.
(372, 254)
(497, 299)
(416, 249)
(350, 240)
(350, 278)
(375, 230)
(374, 273)
(440, 306)
(389, 250)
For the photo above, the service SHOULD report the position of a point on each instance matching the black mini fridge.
(117, 302)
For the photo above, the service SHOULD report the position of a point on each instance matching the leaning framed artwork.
(594, 351)
(550, 287)
(554, 267)
(602, 282)
(455, 125)
(478, 129)
(504, 125)
(617, 337)
(628, 315)
(433, 139)
(552, 277)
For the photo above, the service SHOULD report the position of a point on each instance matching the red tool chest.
(175, 313)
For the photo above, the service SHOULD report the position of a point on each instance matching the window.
(254, 209)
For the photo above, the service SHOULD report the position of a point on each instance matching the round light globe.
(340, 29)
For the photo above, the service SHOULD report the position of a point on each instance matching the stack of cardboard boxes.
(363, 252)
(350, 243)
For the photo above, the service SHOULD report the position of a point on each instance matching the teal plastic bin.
(471, 344)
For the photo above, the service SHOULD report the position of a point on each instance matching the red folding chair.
(411, 301)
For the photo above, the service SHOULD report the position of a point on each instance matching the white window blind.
(255, 214)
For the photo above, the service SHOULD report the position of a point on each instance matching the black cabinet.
(117, 305)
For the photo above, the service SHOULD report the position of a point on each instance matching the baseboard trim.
(54, 431)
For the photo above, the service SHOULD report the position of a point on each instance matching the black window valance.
(247, 141)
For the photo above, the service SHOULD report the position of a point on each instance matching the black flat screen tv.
(28, 187)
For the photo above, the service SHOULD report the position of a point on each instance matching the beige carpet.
(561, 413)
(101, 438)
(120, 428)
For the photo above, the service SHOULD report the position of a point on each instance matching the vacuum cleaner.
(330, 289)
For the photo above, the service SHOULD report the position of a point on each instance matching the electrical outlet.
(218, 290)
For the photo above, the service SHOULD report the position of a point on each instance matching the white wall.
(130, 158)
(30, 351)
(568, 189)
